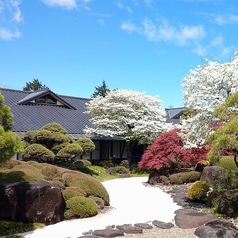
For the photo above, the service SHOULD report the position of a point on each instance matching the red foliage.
(167, 147)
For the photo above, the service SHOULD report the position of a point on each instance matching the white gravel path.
(132, 202)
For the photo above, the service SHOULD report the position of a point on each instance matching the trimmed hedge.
(87, 183)
(184, 177)
(80, 207)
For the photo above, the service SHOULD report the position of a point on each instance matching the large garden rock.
(228, 204)
(36, 201)
(207, 173)
(218, 228)
(156, 178)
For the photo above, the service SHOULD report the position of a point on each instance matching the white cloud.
(11, 17)
(215, 47)
(188, 33)
(217, 41)
(6, 34)
(16, 12)
(128, 26)
(148, 2)
(101, 22)
(200, 50)
(226, 19)
(166, 32)
(68, 4)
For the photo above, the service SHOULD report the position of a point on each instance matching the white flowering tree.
(131, 115)
(206, 87)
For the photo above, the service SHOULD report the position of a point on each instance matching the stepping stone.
(88, 236)
(143, 225)
(163, 225)
(108, 233)
(190, 218)
(129, 229)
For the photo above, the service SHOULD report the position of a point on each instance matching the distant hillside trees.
(131, 115)
(10, 143)
(34, 85)
(51, 143)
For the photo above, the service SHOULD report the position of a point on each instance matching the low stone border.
(121, 230)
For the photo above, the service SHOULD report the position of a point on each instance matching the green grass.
(8, 228)
(100, 173)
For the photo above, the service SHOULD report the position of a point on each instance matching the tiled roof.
(173, 114)
(34, 116)
(29, 116)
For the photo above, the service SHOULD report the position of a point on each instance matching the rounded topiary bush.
(121, 170)
(198, 191)
(184, 177)
(38, 153)
(80, 207)
(99, 202)
(72, 192)
(88, 184)
(50, 172)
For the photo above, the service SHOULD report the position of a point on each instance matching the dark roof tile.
(34, 116)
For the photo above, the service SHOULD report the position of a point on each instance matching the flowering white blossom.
(206, 87)
(129, 114)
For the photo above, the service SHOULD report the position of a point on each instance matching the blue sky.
(71, 46)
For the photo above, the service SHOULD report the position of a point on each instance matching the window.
(46, 100)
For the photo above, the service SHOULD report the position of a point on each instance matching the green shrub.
(21, 173)
(224, 179)
(69, 151)
(198, 191)
(8, 228)
(193, 176)
(38, 153)
(80, 164)
(50, 172)
(213, 199)
(121, 170)
(87, 145)
(54, 127)
(90, 185)
(136, 170)
(80, 207)
(227, 162)
(184, 177)
(98, 201)
(73, 192)
(106, 164)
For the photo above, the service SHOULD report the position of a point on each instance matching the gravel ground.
(174, 232)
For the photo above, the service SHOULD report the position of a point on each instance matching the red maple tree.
(167, 148)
